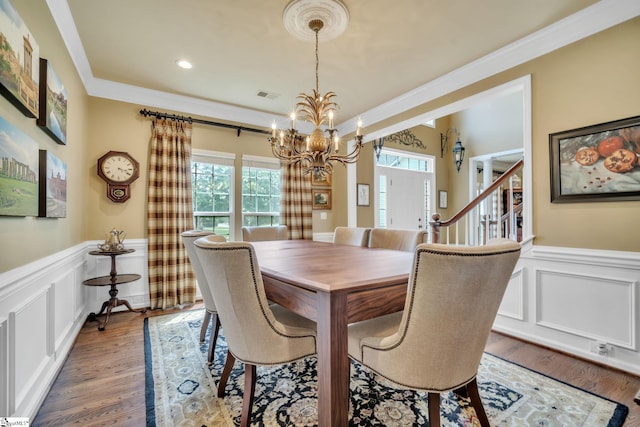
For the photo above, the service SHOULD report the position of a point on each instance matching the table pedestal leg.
(112, 303)
(333, 360)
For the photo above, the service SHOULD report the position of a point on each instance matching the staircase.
(495, 212)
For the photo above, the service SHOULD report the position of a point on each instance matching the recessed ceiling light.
(183, 63)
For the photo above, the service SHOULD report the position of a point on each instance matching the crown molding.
(589, 21)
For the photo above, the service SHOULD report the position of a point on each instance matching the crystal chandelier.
(318, 151)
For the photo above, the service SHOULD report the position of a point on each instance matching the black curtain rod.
(160, 115)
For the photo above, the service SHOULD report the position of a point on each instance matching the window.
(212, 178)
(260, 191)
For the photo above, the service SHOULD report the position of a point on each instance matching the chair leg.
(474, 394)
(434, 409)
(249, 390)
(226, 372)
(214, 337)
(205, 325)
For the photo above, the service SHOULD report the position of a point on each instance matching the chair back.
(355, 236)
(188, 237)
(453, 298)
(259, 234)
(401, 240)
(253, 334)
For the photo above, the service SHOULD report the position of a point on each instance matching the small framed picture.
(53, 104)
(321, 199)
(442, 200)
(363, 194)
(319, 180)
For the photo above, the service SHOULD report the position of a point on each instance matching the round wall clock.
(119, 170)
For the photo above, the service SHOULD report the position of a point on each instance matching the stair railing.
(480, 226)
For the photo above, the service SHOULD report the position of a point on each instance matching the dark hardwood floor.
(102, 381)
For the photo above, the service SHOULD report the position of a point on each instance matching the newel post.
(435, 228)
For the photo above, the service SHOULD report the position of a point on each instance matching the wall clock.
(119, 170)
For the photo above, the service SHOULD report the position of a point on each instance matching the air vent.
(267, 95)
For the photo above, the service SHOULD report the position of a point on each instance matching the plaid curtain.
(296, 208)
(169, 213)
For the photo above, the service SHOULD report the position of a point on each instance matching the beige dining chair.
(256, 333)
(355, 236)
(401, 240)
(436, 343)
(259, 234)
(210, 312)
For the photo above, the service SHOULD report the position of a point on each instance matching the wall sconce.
(377, 147)
(458, 149)
(458, 154)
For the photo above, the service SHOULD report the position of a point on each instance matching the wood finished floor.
(102, 381)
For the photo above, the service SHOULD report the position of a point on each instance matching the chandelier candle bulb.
(336, 139)
(273, 129)
(281, 138)
(293, 120)
(330, 119)
(359, 127)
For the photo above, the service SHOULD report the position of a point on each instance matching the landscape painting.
(53, 186)
(53, 104)
(18, 172)
(19, 62)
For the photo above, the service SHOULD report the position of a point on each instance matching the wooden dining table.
(333, 285)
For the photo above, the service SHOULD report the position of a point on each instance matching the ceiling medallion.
(333, 14)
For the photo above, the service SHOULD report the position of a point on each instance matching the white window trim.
(225, 159)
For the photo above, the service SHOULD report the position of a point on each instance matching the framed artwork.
(596, 163)
(321, 199)
(52, 200)
(19, 64)
(363, 194)
(317, 179)
(443, 202)
(52, 118)
(18, 172)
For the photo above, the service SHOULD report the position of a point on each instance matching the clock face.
(118, 168)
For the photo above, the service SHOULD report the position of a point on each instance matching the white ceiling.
(392, 56)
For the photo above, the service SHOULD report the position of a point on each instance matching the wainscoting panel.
(44, 305)
(64, 300)
(513, 301)
(29, 339)
(599, 308)
(4, 366)
(575, 300)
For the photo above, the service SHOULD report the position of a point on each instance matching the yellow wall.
(591, 81)
(27, 239)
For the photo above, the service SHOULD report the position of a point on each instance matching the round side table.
(113, 279)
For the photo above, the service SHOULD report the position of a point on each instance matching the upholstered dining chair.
(210, 312)
(436, 343)
(256, 333)
(401, 240)
(258, 234)
(355, 236)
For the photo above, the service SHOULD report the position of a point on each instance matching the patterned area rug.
(181, 390)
